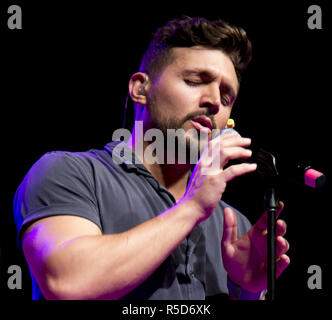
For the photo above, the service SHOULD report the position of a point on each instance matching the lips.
(202, 123)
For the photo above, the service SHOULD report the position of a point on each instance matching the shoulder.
(60, 182)
(54, 177)
(65, 162)
(56, 165)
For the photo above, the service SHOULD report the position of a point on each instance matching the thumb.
(230, 227)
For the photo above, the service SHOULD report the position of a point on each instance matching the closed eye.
(193, 83)
(226, 101)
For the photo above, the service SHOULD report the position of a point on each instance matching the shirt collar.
(124, 155)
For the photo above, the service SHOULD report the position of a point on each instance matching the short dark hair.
(188, 32)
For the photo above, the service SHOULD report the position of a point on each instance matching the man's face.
(195, 91)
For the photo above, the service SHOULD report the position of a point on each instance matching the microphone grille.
(227, 130)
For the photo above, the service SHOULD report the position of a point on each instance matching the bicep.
(45, 236)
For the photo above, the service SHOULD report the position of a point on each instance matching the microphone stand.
(272, 205)
(266, 167)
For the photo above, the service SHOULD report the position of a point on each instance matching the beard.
(188, 144)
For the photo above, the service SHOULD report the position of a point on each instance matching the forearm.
(110, 266)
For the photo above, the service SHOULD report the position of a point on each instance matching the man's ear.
(138, 86)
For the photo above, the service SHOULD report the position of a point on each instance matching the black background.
(65, 77)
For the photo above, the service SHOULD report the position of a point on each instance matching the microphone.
(275, 169)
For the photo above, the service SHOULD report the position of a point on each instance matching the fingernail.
(248, 152)
(253, 165)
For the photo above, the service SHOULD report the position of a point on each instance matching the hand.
(209, 178)
(245, 259)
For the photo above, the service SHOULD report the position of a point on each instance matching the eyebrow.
(203, 72)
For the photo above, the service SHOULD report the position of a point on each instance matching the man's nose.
(211, 100)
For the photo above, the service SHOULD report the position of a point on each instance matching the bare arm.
(71, 259)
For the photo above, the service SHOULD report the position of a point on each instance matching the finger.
(223, 142)
(282, 246)
(281, 207)
(261, 223)
(231, 153)
(228, 141)
(282, 264)
(230, 227)
(281, 227)
(238, 170)
(219, 158)
(214, 165)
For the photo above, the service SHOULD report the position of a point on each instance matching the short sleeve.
(59, 183)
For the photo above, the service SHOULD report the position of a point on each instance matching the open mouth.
(203, 124)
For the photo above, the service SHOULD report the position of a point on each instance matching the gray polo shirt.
(117, 197)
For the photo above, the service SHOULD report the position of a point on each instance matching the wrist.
(185, 213)
(195, 211)
(235, 291)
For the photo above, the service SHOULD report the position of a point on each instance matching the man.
(108, 224)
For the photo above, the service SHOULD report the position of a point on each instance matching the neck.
(173, 177)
